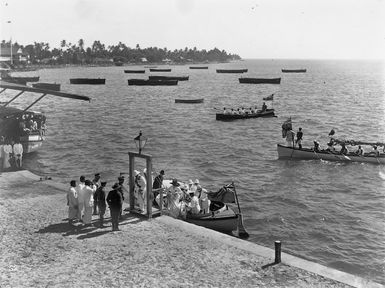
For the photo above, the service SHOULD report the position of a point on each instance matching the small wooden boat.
(199, 67)
(135, 71)
(160, 69)
(147, 82)
(260, 113)
(47, 86)
(91, 81)
(179, 78)
(269, 98)
(293, 70)
(260, 80)
(19, 80)
(221, 218)
(190, 101)
(285, 152)
(232, 70)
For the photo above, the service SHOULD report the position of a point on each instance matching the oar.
(242, 233)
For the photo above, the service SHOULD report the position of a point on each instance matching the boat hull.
(226, 221)
(285, 152)
(47, 86)
(232, 70)
(293, 70)
(229, 117)
(89, 81)
(198, 67)
(190, 101)
(144, 82)
(179, 78)
(31, 143)
(159, 70)
(260, 80)
(135, 71)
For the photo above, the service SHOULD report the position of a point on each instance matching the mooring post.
(277, 245)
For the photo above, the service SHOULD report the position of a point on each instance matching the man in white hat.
(194, 186)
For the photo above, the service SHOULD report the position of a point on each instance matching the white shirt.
(17, 148)
(80, 191)
(72, 196)
(194, 205)
(88, 196)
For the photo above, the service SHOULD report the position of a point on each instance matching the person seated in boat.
(34, 126)
(316, 146)
(344, 150)
(232, 111)
(190, 185)
(359, 151)
(225, 111)
(374, 152)
(252, 111)
(242, 111)
(330, 147)
(264, 107)
(193, 206)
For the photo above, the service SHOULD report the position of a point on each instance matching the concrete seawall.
(239, 265)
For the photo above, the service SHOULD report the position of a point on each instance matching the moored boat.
(179, 78)
(135, 71)
(232, 70)
(190, 101)
(147, 82)
(199, 67)
(285, 152)
(47, 86)
(293, 70)
(246, 80)
(90, 81)
(260, 113)
(160, 69)
(19, 80)
(221, 218)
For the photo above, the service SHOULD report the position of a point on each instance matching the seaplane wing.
(4, 85)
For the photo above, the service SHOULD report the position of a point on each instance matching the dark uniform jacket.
(114, 199)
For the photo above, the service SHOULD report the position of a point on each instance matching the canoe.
(160, 70)
(179, 78)
(232, 70)
(199, 67)
(260, 80)
(47, 86)
(285, 152)
(92, 81)
(190, 101)
(293, 70)
(135, 71)
(146, 82)
(227, 117)
(221, 218)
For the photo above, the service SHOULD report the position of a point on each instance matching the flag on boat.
(226, 194)
(269, 98)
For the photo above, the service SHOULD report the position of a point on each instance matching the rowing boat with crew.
(285, 152)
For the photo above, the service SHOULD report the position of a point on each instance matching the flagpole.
(242, 233)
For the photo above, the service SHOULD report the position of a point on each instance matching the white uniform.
(194, 206)
(72, 199)
(18, 152)
(141, 186)
(7, 148)
(88, 203)
(80, 193)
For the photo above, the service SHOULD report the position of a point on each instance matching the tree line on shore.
(68, 53)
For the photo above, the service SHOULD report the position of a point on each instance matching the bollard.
(277, 252)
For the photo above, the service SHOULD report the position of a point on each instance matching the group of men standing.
(11, 154)
(90, 198)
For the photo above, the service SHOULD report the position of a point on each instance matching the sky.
(272, 29)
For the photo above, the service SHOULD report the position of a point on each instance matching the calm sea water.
(330, 213)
